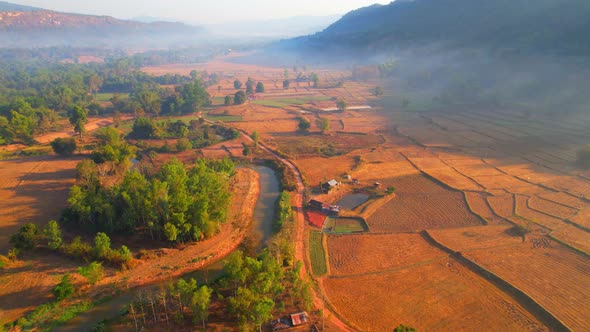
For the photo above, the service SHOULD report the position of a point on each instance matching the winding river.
(262, 227)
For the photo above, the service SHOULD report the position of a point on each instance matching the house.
(330, 185)
(316, 205)
(299, 319)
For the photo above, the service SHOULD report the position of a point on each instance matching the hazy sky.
(203, 11)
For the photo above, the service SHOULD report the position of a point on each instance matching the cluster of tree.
(176, 204)
(29, 236)
(170, 304)
(112, 151)
(257, 283)
(240, 96)
(20, 120)
(283, 210)
(195, 134)
(304, 124)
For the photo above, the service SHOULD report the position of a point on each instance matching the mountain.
(499, 25)
(11, 7)
(34, 27)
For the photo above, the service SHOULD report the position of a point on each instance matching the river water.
(262, 227)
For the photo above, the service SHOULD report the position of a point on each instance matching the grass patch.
(224, 118)
(317, 254)
(51, 315)
(104, 97)
(38, 150)
(345, 225)
(286, 102)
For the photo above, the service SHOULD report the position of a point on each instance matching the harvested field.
(317, 255)
(523, 210)
(302, 145)
(421, 204)
(320, 169)
(479, 205)
(369, 253)
(470, 238)
(556, 210)
(33, 190)
(565, 199)
(582, 218)
(500, 182)
(553, 275)
(503, 205)
(478, 170)
(433, 295)
(570, 184)
(574, 237)
(383, 170)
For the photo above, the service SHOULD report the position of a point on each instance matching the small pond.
(350, 202)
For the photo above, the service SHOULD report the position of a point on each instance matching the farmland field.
(551, 274)
(369, 253)
(317, 254)
(421, 204)
(431, 296)
(344, 225)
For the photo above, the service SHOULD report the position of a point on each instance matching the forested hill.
(22, 26)
(555, 26)
(12, 7)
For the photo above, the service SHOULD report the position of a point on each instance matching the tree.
(78, 118)
(26, 238)
(102, 245)
(262, 311)
(183, 144)
(200, 302)
(313, 77)
(342, 105)
(255, 137)
(171, 232)
(238, 84)
(378, 91)
(53, 234)
(250, 85)
(259, 87)
(246, 152)
(304, 125)
(229, 100)
(240, 97)
(64, 146)
(323, 124)
(64, 289)
(93, 272)
(286, 84)
(403, 328)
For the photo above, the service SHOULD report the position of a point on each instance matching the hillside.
(557, 26)
(26, 27)
(11, 7)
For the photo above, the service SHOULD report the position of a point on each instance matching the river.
(262, 226)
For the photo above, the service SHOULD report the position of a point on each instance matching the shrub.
(64, 146)
(93, 272)
(64, 289)
(26, 238)
(125, 253)
(53, 235)
(102, 245)
(183, 144)
(77, 248)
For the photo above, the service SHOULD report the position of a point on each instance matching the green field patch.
(335, 225)
(224, 118)
(317, 254)
(286, 102)
(104, 97)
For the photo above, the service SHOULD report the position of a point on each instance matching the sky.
(203, 11)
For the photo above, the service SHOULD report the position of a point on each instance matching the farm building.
(299, 319)
(316, 205)
(330, 185)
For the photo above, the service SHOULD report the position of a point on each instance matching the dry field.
(370, 253)
(479, 205)
(421, 204)
(33, 190)
(551, 274)
(523, 210)
(318, 169)
(503, 205)
(438, 296)
(481, 237)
